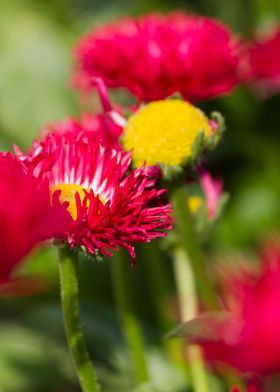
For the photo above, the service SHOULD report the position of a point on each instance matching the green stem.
(188, 309)
(68, 269)
(188, 241)
(159, 282)
(132, 332)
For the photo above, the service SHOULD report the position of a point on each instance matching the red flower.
(95, 127)
(247, 337)
(156, 56)
(26, 215)
(264, 64)
(108, 208)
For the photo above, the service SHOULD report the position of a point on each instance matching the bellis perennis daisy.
(155, 56)
(107, 208)
(171, 133)
(26, 214)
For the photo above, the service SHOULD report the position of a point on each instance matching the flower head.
(247, 336)
(108, 208)
(26, 215)
(264, 64)
(164, 132)
(156, 56)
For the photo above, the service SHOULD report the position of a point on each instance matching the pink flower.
(212, 189)
(108, 208)
(156, 56)
(26, 215)
(264, 64)
(247, 337)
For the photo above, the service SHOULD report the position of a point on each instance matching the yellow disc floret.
(164, 132)
(68, 194)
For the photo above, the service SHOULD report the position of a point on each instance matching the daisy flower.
(108, 208)
(156, 56)
(171, 133)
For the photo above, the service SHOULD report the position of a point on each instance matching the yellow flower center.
(194, 203)
(68, 192)
(164, 132)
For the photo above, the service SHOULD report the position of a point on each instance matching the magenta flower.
(264, 64)
(26, 215)
(108, 208)
(247, 336)
(156, 56)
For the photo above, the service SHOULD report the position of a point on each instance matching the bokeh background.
(37, 38)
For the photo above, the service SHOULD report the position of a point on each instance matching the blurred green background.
(36, 43)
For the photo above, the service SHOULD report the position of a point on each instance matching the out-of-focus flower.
(246, 337)
(264, 64)
(99, 128)
(108, 208)
(156, 56)
(212, 189)
(166, 133)
(26, 215)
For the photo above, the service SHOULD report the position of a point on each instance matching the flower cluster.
(156, 56)
(91, 183)
(75, 189)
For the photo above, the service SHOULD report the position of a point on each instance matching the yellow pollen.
(164, 132)
(194, 204)
(68, 192)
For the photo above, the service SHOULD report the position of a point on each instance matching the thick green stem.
(188, 309)
(70, 304)
(130, 324)
(188, 241)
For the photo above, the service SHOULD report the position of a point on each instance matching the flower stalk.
(187, 240)
(190, 276)
(188, 309)
(130, 324)
(68, 270)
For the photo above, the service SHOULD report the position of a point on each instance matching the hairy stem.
(68, 270)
